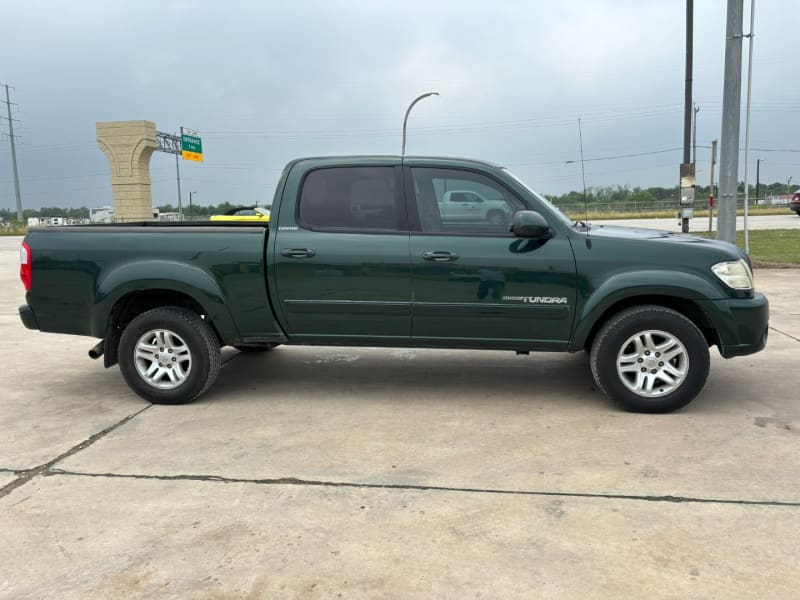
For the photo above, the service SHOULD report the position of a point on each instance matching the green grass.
(13, 230)
(771, 247)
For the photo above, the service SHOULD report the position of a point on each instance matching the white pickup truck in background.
(467, 205)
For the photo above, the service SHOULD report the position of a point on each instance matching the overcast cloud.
(265, 82)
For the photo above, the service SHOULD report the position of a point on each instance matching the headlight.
(735, 274)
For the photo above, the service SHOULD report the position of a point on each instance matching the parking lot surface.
(360, 472)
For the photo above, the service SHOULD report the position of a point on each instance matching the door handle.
(440, 256)
(297, 252)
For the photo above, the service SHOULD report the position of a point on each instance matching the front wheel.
(169, 355)
(650, 359)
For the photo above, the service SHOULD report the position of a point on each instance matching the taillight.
(25, 271)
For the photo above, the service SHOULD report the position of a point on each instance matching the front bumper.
(742, 324)
(28, 317)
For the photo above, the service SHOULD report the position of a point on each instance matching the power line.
(627, 155)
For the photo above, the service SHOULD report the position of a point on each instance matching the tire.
(192, 349)
(496, 217)
(256, 349)
(632, 340)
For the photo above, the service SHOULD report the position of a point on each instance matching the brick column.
(128, 146)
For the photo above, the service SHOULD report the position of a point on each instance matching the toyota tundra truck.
(357, 252)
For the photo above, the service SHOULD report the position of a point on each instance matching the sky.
(268, 81)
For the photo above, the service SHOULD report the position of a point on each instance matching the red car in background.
(794, 203)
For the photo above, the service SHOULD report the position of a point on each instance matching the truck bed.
(83, 272)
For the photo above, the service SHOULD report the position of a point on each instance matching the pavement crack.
(426, 488)
(26, 475)
(789, 335)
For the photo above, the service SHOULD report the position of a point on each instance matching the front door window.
(455, 201)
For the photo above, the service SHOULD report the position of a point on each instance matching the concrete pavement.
(327, 472)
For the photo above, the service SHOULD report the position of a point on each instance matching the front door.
(474, 283)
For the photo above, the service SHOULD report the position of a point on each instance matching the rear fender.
(187, 279)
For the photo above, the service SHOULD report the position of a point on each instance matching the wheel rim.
(496, 219)
(652, 363)
(163, 359)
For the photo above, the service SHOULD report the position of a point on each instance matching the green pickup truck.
(357, 254)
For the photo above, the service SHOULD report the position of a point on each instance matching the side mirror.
(530, 224)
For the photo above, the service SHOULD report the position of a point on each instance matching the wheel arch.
(133, 303)
(587, 331)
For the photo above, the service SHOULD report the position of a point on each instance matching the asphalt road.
(788, 221)
(362, 472)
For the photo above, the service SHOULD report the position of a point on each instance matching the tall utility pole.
(687, 95)
(731, 107)
(13, 155)
(687, 181)
(747, 126)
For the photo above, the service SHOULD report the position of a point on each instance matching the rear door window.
(350, 199)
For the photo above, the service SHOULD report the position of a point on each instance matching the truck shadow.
(409, 374)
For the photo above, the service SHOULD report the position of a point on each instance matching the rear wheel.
(169, 355)
(650, 359)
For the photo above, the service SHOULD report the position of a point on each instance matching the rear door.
(474, 283)
(341, 256)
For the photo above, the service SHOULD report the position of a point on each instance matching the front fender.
(176, 276)
(640, 283)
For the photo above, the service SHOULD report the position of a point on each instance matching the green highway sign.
(191, 145)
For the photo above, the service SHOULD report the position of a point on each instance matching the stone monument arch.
(128, 145)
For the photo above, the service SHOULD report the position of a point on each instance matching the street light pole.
(405, 119)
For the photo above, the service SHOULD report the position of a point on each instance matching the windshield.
(554, 209)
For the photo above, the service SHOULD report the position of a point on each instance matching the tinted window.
(454, 201)
(349, 198)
